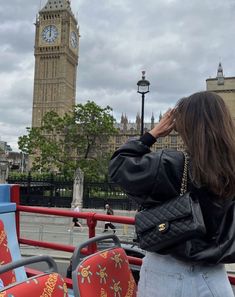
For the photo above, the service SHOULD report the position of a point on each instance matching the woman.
(195, 267)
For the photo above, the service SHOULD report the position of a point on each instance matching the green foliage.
(17, 176)
(95, 125)
(96, 169)
(63, 144)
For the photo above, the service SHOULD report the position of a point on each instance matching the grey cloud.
(19, 10)
(18, 36)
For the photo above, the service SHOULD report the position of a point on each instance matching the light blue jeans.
(165, 276)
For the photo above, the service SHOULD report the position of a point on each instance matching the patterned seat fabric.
(5, 257)
(106, 273)
(44, 285)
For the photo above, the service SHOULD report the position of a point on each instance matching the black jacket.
(152, 177)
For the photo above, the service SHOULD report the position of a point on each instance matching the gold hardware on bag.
(162, 227)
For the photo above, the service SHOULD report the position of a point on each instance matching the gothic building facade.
(127, 130)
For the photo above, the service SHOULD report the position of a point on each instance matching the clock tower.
(56, 60)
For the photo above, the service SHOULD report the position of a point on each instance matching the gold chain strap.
(183, 188)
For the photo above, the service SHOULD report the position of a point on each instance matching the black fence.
(96, 195)
(56, 191)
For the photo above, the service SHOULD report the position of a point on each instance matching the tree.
(74, 140)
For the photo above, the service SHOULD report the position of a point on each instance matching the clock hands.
(50, 33)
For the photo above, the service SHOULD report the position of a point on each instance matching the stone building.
(225, 87)
(56, 60)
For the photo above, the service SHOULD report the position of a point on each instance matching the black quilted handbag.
(171, 223)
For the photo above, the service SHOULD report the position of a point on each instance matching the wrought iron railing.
(56, 191)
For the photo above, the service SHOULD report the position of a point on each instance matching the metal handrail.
(91, 218)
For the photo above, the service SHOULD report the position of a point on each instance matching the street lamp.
(143, 88)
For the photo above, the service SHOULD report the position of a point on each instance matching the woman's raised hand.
(165, 126)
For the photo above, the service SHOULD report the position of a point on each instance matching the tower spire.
(53, 5)
(220, 75)
(152, 121)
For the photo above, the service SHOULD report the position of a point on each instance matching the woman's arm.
(137, 170)
(134, 167)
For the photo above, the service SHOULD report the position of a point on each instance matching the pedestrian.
(194, 267)
(107, 225)
(76, 220)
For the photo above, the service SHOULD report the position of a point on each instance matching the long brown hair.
(206, 127)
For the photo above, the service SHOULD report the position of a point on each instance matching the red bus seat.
(104, 273)
(42, 285)
(51, 285)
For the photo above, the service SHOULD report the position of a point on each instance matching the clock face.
(74, 39)
(50, 33)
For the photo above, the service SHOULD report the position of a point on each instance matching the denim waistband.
(168, 263)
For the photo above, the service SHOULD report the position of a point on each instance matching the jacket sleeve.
(146, 176)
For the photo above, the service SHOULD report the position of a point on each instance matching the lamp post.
(143, 88)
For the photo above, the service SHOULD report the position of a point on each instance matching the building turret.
(152, 121)
(125, 122)
(122, 119)
(138, 122)
(220, 75)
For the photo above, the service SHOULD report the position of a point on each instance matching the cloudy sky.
(178, 42)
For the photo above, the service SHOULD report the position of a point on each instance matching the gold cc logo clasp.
(162, 227)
